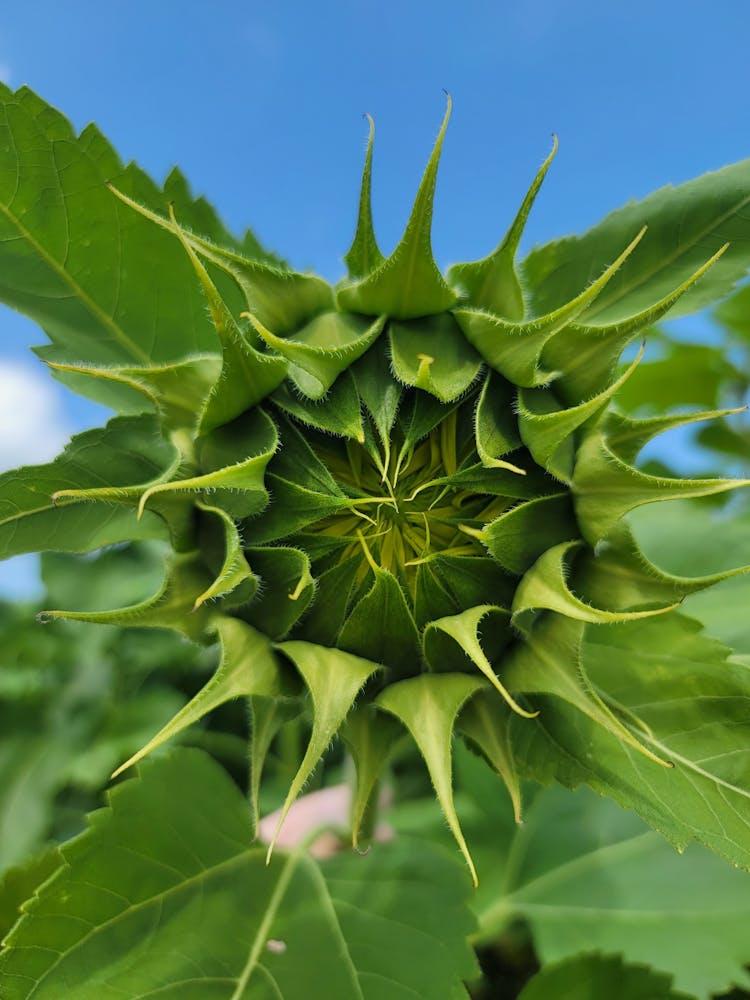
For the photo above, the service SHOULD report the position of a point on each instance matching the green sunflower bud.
(395, 503)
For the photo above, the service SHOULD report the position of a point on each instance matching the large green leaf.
(189, 909)
(686, 226)
(587, 876)
(691, 701)
(105, 283)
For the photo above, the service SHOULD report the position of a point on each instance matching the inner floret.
(405, 511)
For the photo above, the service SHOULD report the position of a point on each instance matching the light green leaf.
(408, 284)
(492, 283)
(545, 585)
(334, 679)
(688, 375)
(594, 877)
(587, 354)
(716, 542)
(173, 606)
(120, 917)
(428, 705)
(128, 451)
(590, 977)
(677, 692)
(247, 376)
(432, 354)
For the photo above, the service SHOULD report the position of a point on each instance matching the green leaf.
(286, 589)
(279, 298)
(492, 283)
(371, 738)
(590, 977)
(127, 452)
(20, 883)
(176, 605)
(428, 705)
(120, 917)
(676, 691)
(408, 284)
(334, 679)
(222, 550)
(688, 375)
(247, 376)
(247, 667)
(716, 542)
(517, 538)
(379, 392)
(432, 354)
(593, 877)
(687, 224)
(547, 429)
(484, 723)
(545, 585)
(495, 423)
(102, 281)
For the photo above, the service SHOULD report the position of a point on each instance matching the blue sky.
(261, 105)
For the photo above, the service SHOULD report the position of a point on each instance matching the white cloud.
(5, 71)
(33, 426)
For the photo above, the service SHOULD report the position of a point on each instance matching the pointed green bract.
(492, 283)
(334, 679)
(428, 705)
(364, 254)
(248, 667)
(408, 283)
